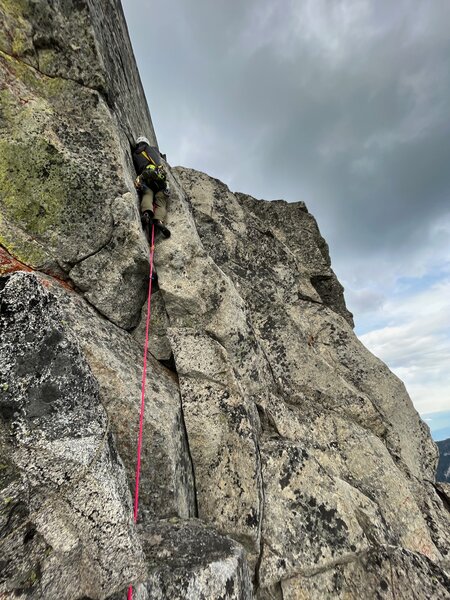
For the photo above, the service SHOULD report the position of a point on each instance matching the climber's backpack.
(153, 176)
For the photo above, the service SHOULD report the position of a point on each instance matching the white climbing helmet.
(141, 139)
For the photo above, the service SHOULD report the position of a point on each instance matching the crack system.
(344, 560)
(261, 520)
(183, 420)
(188, 451)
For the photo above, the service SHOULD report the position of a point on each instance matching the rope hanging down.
(144, 376)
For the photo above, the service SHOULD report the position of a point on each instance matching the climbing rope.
(87, 469)
(144, 376)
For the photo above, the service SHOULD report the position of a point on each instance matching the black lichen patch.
(8, 406)
(229, 586)
(295, 461)
(384, 585)
(337, 580)
(29, 535)
(252, 518)
(42, 399)
(237, 414)
(320, 522)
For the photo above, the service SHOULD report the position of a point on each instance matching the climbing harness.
(154, 176)
(153, 173)
(144, 376)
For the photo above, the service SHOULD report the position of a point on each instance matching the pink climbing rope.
(144, 376)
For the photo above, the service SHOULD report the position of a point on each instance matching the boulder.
(189, 561)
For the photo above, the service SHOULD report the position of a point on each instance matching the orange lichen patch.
(9, 264)
(54, 278)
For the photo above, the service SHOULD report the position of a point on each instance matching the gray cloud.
(416, 345)
(343, 104)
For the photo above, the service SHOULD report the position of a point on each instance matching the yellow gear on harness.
(149, 158)
(160, 171)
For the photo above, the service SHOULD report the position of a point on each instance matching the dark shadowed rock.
(443, 468)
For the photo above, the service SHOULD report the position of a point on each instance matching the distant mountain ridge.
(443, 468)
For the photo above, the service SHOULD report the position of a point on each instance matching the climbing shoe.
(146, 218)
(159, 226)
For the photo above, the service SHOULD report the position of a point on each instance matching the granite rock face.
(280, 458)
(66, 511)
(337, 472)
(121, 265)
(72, 103)
(115, 359)
(381, 573)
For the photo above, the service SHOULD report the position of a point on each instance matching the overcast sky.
(344, 104)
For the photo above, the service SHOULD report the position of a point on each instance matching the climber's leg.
(147, 208)
(160, 210)
(160, 206)
(147, 200)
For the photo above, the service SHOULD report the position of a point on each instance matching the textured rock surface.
(301, 454)
(115, 359)
(380, 573)
(188, 561)
(65, 511)
(71, 104)
(121, 265)
(339, 471)
(222, 438)
(84, 41)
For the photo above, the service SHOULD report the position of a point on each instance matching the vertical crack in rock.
(260, 525)
(188, 451)
(324, 403)
(160, 321)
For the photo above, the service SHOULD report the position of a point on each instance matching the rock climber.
(151, 184)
